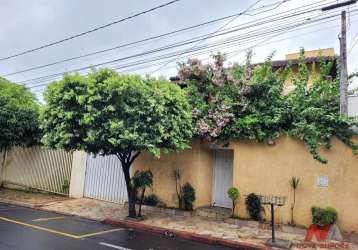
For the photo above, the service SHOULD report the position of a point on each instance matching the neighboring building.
(312, 60)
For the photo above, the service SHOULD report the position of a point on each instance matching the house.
(312, 60)
(264, 169)
(251, 167)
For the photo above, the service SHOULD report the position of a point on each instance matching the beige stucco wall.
(266, 170)
(313, 73)
(195, 165)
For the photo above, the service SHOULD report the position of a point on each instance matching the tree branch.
(120, 157)
(128, 157)
(134, 157)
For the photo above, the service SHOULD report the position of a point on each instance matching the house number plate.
(322, 181)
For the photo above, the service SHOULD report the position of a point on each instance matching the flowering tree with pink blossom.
(227, 103)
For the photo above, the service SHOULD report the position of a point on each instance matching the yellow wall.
(266, 170)
(312, 53)
(313, 73)
(195, 165)
(313, 69)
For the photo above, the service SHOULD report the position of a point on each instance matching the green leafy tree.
(110, 114)
(19, 117)
(314, 111)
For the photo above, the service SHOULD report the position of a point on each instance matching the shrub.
(141, 180)
(151, 200)
(253, 206)
(188, 196)
(66, 186)
(234, 195)
(323, 216)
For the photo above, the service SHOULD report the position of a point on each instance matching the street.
(29, 229)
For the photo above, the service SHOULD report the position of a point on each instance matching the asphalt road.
(28, 229)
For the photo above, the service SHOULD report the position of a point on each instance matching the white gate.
(104, 179)
(223, 174)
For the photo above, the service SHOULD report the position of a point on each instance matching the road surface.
(29, 229)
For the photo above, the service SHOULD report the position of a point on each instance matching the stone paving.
(89, 208)
(218, 228)
(244, 231)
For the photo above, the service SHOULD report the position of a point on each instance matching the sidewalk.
(100, 210)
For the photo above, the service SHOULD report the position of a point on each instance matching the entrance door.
(223, 175)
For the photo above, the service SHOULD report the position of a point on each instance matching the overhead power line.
(134, 67)
(297, 11)
(268, 32)
(133, 43)
(121, 45)
(89, 31)
(267, 19)
(353, 43)
(210, 35)
(232, 42)
(254, 23)
(235, 52)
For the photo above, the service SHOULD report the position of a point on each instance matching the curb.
(138, 226)
(152, 229)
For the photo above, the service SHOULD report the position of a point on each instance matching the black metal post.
(273, 223)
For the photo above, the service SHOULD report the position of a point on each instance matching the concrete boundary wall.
(266, 170)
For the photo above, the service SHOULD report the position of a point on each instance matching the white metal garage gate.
(104, 179)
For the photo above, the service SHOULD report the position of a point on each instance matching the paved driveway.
(28, 229)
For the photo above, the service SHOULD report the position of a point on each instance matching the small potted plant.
(323, 225)
(323, 216)
(253, 206)
(234, 195)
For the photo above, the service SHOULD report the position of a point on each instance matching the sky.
(29, 24)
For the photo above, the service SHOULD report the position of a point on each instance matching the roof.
(308, 60)
(283, 63)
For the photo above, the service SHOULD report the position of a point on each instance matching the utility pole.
(343, 72)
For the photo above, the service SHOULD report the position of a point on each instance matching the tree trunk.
(293, 207)
(127, 159)
(141, 202)
(130, 191)
(233, 209)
